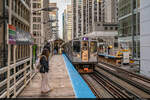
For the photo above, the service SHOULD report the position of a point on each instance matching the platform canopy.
(102, 34)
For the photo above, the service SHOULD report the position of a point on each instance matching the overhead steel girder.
(50, 21)
(50, 9)
(47, 9)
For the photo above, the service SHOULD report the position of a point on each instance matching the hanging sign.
(11, 34)
(18, 36)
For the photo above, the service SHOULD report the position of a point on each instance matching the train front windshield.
(93, 47)
(76, 46)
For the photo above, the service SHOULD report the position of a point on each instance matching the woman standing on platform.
(44, 71)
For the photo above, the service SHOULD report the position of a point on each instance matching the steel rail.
(128, 80)
(92, 87)
(121, 91)
(129, 72)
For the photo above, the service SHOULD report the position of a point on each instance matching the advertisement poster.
(126, 58)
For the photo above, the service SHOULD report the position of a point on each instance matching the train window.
(93, 47)
(116, 45)
(76, 46)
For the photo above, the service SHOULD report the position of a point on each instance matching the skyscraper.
(74, 31)
(89, 13)
(54, 21)
(95, 18)
(78, 17)
(40, 27)
(67, 23)
(145, 37)
(129, 30)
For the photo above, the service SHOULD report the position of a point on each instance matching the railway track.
(110, 88)
(131, 74)
(136, 80)
(97, 88)
(108, 82)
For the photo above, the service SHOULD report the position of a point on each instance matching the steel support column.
(4, 33)
(137, 22)
(132, 29)
(15, 69)
(31, 57)
(9, 51)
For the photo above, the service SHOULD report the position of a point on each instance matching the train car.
(82, 52)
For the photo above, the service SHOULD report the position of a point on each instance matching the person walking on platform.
(44, 69)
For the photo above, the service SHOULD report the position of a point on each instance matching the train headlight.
(78, 55)
(110, 47)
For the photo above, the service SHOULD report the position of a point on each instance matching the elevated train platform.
(64, 81)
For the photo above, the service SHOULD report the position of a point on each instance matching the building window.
(111, 28)
(36, 5)
(116, 28)
(36, 33)
(98, 24)
(36, 19)
(36, 26)
(116, 44)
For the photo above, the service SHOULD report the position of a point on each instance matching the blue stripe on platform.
(80, 88)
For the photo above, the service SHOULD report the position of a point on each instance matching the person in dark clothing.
(44, 69)
(56, 48)
(44, 64)
(47, 46)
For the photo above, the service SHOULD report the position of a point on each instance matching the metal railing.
(3, 56)
(15, 77)
(20, 75)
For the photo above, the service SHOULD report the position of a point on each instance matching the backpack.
(38, 64)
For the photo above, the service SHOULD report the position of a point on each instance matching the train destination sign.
(85, 38)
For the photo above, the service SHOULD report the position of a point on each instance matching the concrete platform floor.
(58, 80)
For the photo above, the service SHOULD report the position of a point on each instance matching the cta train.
(82, 52)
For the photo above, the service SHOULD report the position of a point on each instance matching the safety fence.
(14, 78)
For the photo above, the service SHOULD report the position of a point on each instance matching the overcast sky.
(61, 4)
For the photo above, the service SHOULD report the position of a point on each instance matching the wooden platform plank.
(58, 80)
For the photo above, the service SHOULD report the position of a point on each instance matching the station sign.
(18, 36)
(11, 34)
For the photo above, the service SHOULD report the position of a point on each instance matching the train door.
(93, 51)
(85, 51)
(76, 51)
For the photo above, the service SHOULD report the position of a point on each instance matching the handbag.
(42, 69)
